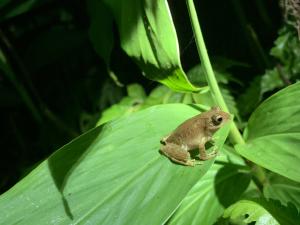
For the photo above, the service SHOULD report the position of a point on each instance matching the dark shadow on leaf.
(63, 162)
(230, 184)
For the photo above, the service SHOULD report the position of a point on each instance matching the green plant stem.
(210, 76)
(235, 135)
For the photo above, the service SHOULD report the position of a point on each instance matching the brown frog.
(192, 134)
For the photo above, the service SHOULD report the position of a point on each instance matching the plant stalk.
(235, 135)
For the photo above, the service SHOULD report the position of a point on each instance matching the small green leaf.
(273, 134)
(262, 212)
(136, 91)
(271, 80)
(248, 211)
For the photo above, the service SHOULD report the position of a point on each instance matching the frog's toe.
(190, 162)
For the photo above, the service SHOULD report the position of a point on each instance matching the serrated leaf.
(282, 189)
(273, 134)
(112, 174)
(271, 80)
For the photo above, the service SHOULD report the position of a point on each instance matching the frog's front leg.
(202, 151)
(177, 154)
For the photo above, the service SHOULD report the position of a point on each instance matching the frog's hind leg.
(176, 154)
(203, 155)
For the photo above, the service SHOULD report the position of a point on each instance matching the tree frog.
(191, 134)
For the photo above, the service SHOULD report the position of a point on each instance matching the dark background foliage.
(53, 62)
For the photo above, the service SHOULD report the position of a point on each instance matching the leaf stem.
(235, 135)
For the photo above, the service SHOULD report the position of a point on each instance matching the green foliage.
(245, 212)
(274, 126)
(110, 161)
(126, 106)
(212, 191)
(150, 38)
(283, 189)
(262, 212)
(114, 173)
(285, 72)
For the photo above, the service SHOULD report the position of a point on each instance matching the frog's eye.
(217, 120)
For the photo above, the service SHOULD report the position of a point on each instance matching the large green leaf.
(148, 35)
(217, 189)
(112, 174)
(273, 134)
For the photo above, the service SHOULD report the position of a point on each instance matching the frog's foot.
(206, 156)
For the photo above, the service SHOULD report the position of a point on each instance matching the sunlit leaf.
(148, 35)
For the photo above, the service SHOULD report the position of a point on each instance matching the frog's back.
(189, 131)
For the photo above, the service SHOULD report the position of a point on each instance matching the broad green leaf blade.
(112, 174)
(273, 134)
(282, 189)
(148, 35)
(263, 212)
(217, 189)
